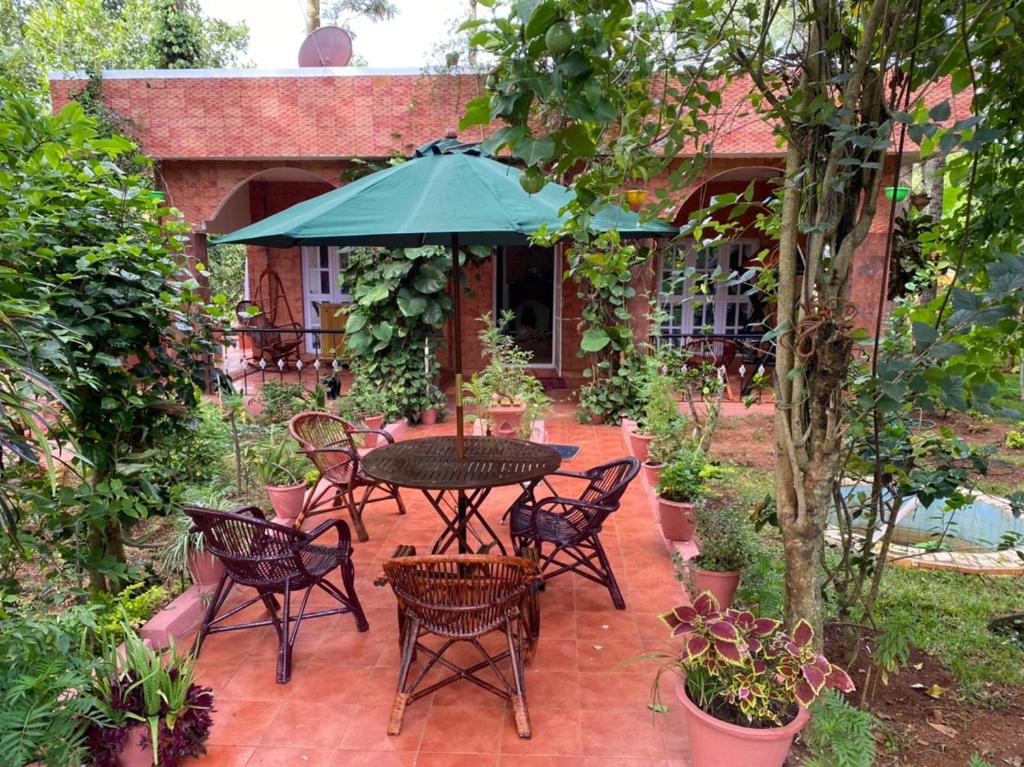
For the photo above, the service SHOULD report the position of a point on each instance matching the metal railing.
(253, 356)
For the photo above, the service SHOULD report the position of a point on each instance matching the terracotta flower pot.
(653, 473)
(640, 443)
(678, 520)
(137, 750)
(287, 500)
(714, 743)
(205, 569)
(596, 419)
(721, 584)
(428, 417)
(507, 420)
(372, 422)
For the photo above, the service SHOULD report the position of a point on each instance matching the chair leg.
(610, 582)
(284, 653)
(348, 580)
(518, 697)
(216, 601)
(356, 512)
(412, 630)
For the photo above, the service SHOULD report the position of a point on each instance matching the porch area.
(587, 687)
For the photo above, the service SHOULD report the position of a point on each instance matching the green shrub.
(281, 400)
(1015, 439)
(725, 537)
(839, 734)
(682, 480)
(41, 658)
(134, 605)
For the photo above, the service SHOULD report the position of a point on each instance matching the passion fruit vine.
(558, 38)
(532, 180)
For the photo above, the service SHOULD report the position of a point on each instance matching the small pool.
(979, 526)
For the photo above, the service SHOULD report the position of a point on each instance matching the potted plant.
(366, 405)
(434, 405)
(282, 471)
(154, 712)
(506, 394)
(185, 551)
(660, 415)
(726, 544)
(744, 683)
(591, 405)
(680, 486)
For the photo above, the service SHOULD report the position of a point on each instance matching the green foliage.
(400, 306)
(1015, 439)
(726, 539)
(365, 399)
(839, 735)
(42, 657)
(504, 381)
(682, 480)
(282, 400)
(227, 272)
(275, 459)
(617, 392)
(131, 607)
(75, 35)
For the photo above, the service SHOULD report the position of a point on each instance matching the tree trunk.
(312, 16)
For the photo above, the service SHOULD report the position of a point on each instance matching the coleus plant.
(747, 670)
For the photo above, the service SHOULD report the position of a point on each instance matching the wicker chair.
(717, 352)
(274, 560)
(573, 525)
(462, 598)
(330, 443)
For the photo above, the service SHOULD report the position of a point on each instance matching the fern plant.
(839, 734)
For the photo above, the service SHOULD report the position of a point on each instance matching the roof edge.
(296, 72)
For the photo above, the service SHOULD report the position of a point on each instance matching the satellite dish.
(327, 47)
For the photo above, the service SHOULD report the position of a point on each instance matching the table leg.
(460, 510)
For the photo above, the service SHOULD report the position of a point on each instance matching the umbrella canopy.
(446, 189)
(450, 194)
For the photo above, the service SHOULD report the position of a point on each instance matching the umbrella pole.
(460, 448)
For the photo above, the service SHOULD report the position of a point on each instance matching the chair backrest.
(315, 431)
(712, 351)
(464, 595)
(255, 552)
(609, 481)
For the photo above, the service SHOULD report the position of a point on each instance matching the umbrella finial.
(451, 133)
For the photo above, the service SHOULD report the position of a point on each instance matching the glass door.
(323, 273)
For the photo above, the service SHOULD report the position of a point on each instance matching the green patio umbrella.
(450, 194)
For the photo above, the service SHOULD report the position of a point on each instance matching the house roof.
(335, 112)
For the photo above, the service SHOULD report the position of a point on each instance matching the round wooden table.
(455, 487)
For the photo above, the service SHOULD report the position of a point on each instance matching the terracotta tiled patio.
(587, 689)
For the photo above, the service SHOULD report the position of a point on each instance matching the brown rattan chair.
(462, 598)
(717, 352)
(330, 443)
(573, 525)
(274, 560)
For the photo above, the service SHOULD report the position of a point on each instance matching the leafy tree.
(86, 246)
(609, 88)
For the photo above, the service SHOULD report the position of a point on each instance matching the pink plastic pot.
(653, 473)
(205, 569)
(721, 584)
(428, 417)
(640, 443)
(137, 750)
(507, 420)
(714, 743)
(287, 500)
(678, 520)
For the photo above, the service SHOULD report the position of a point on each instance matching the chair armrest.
(344, 542)
(573, 474)
(379, 432)
(255, 511)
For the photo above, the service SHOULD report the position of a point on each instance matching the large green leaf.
(429, 279)
(594, 340)
(410, 303)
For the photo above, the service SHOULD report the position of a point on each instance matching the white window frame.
(719, 301)
(310, 298)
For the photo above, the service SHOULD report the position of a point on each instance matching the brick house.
(233, 146)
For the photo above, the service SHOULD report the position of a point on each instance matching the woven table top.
(431, 463)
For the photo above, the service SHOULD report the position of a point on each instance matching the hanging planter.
(897, 193)
(156, 196)
(920, 200)
(636, 198)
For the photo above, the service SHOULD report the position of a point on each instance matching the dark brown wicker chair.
(573, 525)
(331, 444)
(462, 598)
(273, 559)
